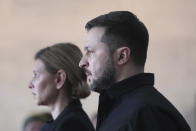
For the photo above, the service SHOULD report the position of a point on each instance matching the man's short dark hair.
(123, 28)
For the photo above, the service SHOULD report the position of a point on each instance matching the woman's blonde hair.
(66, 56)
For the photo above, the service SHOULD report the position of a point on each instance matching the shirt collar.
(129, 84)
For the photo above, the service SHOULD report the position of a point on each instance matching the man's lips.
(88, 73)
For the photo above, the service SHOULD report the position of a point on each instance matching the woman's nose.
(31, 85)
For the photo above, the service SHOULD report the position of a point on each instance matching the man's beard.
(106, 79)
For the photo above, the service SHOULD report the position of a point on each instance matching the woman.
(59, 83)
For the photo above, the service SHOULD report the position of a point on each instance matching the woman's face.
(43, 85)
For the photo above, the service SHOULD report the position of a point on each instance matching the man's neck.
(127, 72)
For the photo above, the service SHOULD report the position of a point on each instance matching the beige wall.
(28, 25)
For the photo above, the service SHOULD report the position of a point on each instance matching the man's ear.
(123, 55)
(60, 79)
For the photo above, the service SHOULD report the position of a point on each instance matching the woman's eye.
(36, 75)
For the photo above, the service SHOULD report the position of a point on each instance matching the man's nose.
(83, 63)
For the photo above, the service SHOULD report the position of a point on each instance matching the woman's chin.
(39, 103)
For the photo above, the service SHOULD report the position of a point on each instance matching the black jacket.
(73, 118)
(135, 105)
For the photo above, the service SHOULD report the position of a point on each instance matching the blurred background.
(28, 25)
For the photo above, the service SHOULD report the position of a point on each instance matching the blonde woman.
(59, 83)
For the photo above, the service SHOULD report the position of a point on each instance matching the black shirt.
(135, 105)
(73, 118)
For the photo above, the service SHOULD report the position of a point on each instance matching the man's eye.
(89, 52)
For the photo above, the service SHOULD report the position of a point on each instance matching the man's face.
(97, 61)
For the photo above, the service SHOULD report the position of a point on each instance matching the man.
(114, 60)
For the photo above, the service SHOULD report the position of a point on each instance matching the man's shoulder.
(125, 108)
(143, 103)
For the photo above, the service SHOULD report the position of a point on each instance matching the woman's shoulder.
(75, 122)
(74, 118)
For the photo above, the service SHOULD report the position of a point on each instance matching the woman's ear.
(123, 55)
(60, 79)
